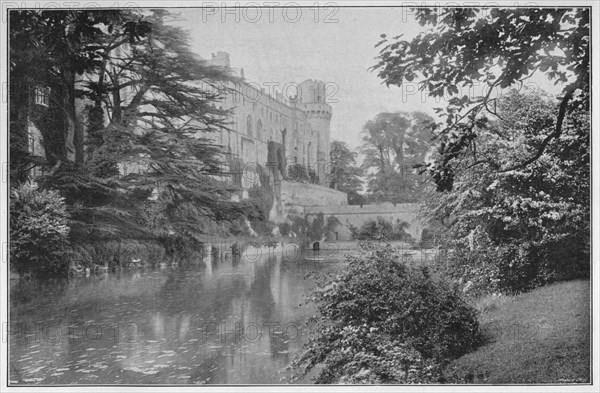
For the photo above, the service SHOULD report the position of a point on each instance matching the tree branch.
(557, 130)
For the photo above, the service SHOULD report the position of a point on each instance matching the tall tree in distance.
(345, 175)
(494, 48)
(395, 144)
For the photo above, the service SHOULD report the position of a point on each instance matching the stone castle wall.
(297, 197)
(300, 123)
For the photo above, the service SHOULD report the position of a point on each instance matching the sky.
(334, 45)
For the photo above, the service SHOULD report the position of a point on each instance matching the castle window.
(42, 95)
(259, 129)
(249, 126)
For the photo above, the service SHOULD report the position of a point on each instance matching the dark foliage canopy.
(495, 48)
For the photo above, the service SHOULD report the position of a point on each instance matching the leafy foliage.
(117, 254)
(301, 174)
(382, 321)
(51, 48)
(394, 145)
(512, 231)
(262, 198)
(321, 228)
(345, 176)
(382, 229)
(39, 231)
(495, 48)
(316, 230)
(150, 114)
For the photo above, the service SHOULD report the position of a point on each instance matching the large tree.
(345, 174)
(150, 106)
(494, 48)
(394, 145)
(49, 49)
(514, 230)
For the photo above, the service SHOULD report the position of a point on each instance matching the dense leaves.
(382, 229)
(383, 321)
(150, 107)
(514, 230)
(345, 176)
(395, 144)
(39, 231)
(466, 48)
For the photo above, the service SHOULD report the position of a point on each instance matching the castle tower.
(221, 59)
(312, 96)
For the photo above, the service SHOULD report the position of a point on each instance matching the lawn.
(538, 337)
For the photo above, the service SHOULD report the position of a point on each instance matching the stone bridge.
(308, 200)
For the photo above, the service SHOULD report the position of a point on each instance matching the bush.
(312, 174)
(381, 229)
(39, 231)
(383, 321)
(298, 173)
(524, 228)
(119, 254)
(263, 198)
(285, 229)
(181, 249)
(512, 268)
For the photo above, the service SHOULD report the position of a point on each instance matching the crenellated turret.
(312, 99)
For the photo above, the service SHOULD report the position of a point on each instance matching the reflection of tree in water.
(206, 301)
(36, 294)
(185, 291)
(262, 303)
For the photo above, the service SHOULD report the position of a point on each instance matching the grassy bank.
(538, 337)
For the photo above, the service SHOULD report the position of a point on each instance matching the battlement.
(258, 116)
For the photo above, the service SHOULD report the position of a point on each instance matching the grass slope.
(538, 337)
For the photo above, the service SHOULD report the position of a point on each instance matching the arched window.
(259, 128)
(249, 126)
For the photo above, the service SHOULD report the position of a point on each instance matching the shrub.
(298, 173)
(118, 254)
(285, 229)
(535, 221)
(81, 256)
(262, 197)
(512, 267)
(313, 176)
(180, 249)
(39, 231)
(383, 321)
(381, 229)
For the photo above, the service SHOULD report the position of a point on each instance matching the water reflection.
(220, 321)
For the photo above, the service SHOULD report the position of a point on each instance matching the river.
(214, 321)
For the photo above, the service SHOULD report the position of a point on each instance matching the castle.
(274, 132)
(300, 125)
